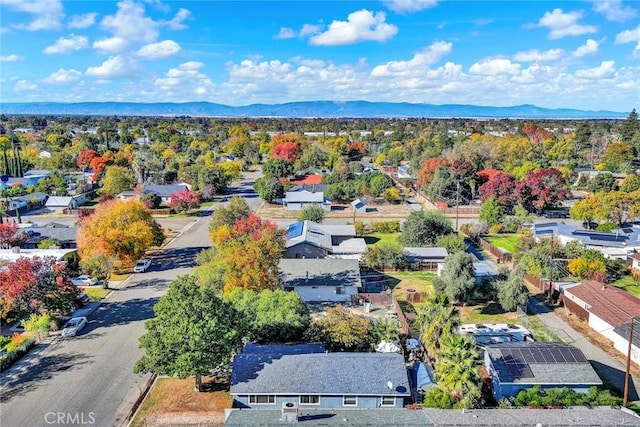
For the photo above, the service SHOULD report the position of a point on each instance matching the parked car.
(73, 326)
(142, 266)
(84, 280)
(83, 299)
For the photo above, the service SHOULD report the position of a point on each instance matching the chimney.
(289, 412)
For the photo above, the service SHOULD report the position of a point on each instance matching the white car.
(73, 326)
(142, 266)
(84, 280)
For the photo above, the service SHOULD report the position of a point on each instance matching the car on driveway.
(73, 326)
(142, 266)
(84, 280)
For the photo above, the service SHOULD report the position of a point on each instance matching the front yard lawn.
(173, 396)
(96, 293)
(508, 242)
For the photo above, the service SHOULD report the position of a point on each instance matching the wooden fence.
(501, 256)
(386, 300)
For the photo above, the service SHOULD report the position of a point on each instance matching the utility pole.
(628, 368)
(457, 203)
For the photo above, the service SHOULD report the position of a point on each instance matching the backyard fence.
(501, 256)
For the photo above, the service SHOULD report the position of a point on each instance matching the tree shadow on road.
(170, 258)
(27, 375)
(123, 312)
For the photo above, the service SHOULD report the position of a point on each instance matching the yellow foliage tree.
(123, 230)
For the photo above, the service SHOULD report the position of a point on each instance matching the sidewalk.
(610, 370)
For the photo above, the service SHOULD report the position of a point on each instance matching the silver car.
(73, 326)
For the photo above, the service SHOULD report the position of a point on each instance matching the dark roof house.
(321, 280)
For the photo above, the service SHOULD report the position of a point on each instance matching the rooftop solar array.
(542, 355)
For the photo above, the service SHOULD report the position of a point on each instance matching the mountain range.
(320, 109)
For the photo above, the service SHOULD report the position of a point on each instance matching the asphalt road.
(89, 379)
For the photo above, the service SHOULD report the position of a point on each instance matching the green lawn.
(508, 242)
(372, 239)
(96, 293)
(629, 284)
(403, 280)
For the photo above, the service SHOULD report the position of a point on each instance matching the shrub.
(437, 398)
(11, 356)
(359, 226)
(385, 227)
(495, 229)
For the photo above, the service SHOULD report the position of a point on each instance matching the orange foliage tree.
(428, 170)
(123, 230)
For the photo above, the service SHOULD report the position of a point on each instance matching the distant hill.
(300, 109)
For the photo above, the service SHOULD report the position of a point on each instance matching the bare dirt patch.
(173, 400)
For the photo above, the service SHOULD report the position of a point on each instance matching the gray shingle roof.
(165, 190)
(319, 272)
(304, 196)
(322, 374)
(61, 234)
(319, 235)
(574, 416)
(425, 254)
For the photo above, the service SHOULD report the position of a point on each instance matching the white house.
(298, 200)
(59, 203)
(321, 280)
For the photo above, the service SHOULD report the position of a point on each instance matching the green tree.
(194, 333)
(379, 183)
(491, 212)
(384, 329)
(452, 243)
(237, 208)
(602, 183)
(213, 180)
(116, 180)
(385, 253)
(277, 168)
(98, 265)
(457, 279)
(424, 228)
(458, 371)
(313, 213)
(273, 316)
(630, 128)
(269, 189)
(513, 291)
(341, 330)
(436, 320)
(631, 183)
(617, 156)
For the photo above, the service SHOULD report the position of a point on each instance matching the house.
(607, 310)
(305, 195)
(427, 259)
(308, 239)
(28, 201)
(516, 366)
(622, 241)
(165, 191)
(358, 205)
(268, 377)
(38, 172)
(61, 203)
(61, 233)
(25, 181)
(14, 254)
(403, 171)
(321, 280)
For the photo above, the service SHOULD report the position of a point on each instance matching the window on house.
(262, 399)
(340, 290)
(349, 400)
(388, 401)
(309, 400)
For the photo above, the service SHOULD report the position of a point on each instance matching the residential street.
(90, 377)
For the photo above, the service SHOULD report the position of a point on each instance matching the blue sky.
(575, 54)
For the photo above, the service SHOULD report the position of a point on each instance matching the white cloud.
(360, 26)
(185, 79)
(159, 50)
(494, 66)
(176, 23)
(82, 21)
(630, 36)
(420, 61)
(46, 13)
(564, 24)
(604, 70)
(588, 48)
(613, 10)
(409, 6)
(63, 77)
(285, 33)
(24, 86)
(67, 45)
(116, 67)
(129, 26)
(11, 58)
(537, 56)
(309, 30)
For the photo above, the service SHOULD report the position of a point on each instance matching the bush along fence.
(18, 347)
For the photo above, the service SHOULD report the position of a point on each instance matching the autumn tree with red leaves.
(286, 150)
(356, 150)
(542, 189)
(8, 233)
(502, 186)
(184, 201)
(98, 164)
(35, 285)
(85, 157)
(428, 170)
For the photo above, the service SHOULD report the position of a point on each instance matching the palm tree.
(437, 319)
(458, 371)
